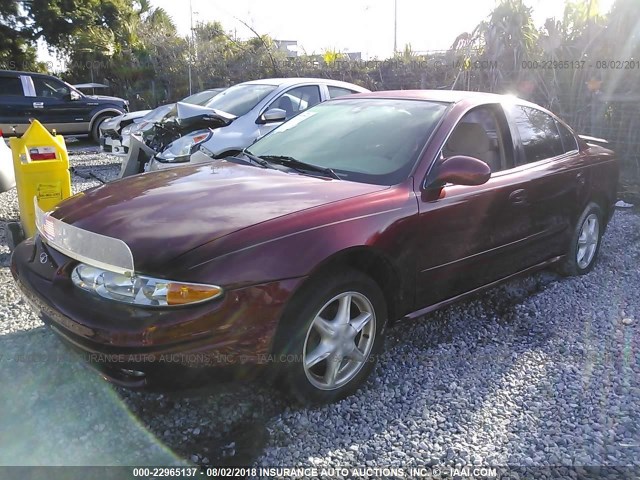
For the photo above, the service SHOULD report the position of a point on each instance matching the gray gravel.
(540, 371)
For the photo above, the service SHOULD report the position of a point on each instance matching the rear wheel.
(331, 336)
(585, 242)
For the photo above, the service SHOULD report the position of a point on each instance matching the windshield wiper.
(299, 165)
(255, 159)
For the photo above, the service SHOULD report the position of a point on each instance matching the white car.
(258, 107)
(7, 175)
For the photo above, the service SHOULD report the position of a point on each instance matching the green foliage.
(58, 22)
(18, 51)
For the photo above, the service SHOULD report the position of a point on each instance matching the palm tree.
(509, 38)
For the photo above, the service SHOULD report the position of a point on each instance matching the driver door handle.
(518, 197)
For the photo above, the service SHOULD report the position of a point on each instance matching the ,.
(304, 248)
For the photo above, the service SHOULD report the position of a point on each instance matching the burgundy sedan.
(298, 253)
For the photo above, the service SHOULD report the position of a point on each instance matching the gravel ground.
(540, 371)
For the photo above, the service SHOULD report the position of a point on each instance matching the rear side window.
(538, 132)
(335, 92)
(11, 86)
(569, 142)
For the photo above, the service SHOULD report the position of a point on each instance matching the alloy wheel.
(588, 241)
(339, 340)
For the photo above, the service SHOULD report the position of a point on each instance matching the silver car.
(259, 106)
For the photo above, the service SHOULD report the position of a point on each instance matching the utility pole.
(395, 27)
(190, 46)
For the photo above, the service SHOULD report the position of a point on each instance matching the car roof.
(19, 72)
(285, 82)
(446, 96)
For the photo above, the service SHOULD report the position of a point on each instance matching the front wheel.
(585, 242)
(331, 336)
(95, 129)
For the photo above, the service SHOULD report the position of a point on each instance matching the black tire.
(571, 266)
(95, 128)
(295, 338)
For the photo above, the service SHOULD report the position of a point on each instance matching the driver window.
(46, 87)
(479, 135)
(297, 100)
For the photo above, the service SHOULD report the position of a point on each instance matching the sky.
(365, 26)
(353, 25)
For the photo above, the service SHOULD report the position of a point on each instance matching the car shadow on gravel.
(222, 423)
(55, 410)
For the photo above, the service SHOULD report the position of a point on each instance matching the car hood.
(158, 114)
(188, 114)
(112, 125)
(162, 215)
(106, 98)
(135, 115)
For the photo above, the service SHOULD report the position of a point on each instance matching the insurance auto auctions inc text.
(377, 472)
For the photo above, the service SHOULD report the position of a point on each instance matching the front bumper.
(113, 146)
(237, 329)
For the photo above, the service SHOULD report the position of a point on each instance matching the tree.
(59, 22)
(18, 47)
(509, 34)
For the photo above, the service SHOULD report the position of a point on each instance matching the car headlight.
(127, 130)
(141, 290)
(181, 149)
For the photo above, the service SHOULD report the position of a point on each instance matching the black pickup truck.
(56, 104)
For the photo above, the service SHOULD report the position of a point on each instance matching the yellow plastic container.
(41, 167)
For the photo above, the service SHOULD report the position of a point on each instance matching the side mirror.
(72, 96)
(461, 170)
(273, 115)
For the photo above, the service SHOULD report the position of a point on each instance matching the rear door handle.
(38, 104)
(518, 197)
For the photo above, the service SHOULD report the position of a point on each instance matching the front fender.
(295, 245)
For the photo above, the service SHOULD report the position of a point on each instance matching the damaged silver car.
(229, 122)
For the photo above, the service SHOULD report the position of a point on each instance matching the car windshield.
(239, 99)
(202, 98)
(373, 141)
